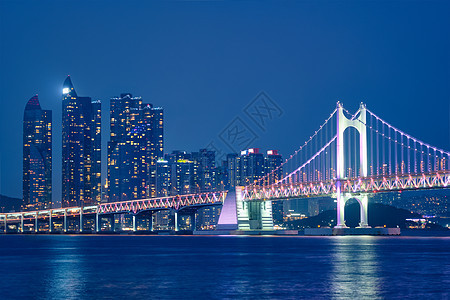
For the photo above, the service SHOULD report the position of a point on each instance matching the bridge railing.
(171, 202)
(369, 184)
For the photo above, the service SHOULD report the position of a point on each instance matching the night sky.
(205, 61)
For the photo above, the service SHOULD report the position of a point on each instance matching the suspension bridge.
(350, 156)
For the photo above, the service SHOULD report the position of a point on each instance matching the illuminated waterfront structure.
(81, 149)
(136, 144)
(37, 156)
(308, 173)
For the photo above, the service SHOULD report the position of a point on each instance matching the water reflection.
(355, 269)
(65, 272)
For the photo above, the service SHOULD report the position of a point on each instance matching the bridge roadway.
(33, 219)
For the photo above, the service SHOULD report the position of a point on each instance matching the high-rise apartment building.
(163, 184)
(81, 148)
(37, 156)
(273, 162)
(136, 144)
(232, 169)
(181, 177)
(252, 166)
(204, 170)
(274, 173)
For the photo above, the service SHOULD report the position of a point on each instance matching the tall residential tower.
(81, 149)
(37, 156)
(135, 145)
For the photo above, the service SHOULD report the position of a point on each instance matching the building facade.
(136, 144)
(81, 148)
(204, 176)
(37, 156)
(163, 184)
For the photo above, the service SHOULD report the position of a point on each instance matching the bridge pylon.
(359, 123)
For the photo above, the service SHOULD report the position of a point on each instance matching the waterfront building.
(233, 170)
(81, 148)
(163, 184)
(274, 170)
(207, 217)
(37, 156)
(181, 177)
(221, 176)
(273, 162)
(204, 170)
(136, 144)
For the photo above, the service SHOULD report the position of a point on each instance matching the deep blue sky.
(205, 61)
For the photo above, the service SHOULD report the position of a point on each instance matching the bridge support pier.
(21, 223)
(65, 221)
(134, 223)
(340, 223)
(36, 223)
(97, 225)
(81, 220)
(176, 222)
(363, 204)
(363, 200)
(50, 222)
(150, 222)
(253, 215)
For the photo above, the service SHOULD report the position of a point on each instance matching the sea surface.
(223, 267)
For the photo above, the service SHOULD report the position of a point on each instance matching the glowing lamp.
(66, 90)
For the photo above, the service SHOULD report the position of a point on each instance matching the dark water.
(227, 267)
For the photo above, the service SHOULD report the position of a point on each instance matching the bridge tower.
(359, 123)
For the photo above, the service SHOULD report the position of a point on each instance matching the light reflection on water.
(66, 268)
(355, 268)
(194, 267)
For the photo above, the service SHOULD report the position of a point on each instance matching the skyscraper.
(233, 170)
(81, 148)
(274, 173)
(273, 169)
(37, 156)
(204, 170)
(136, 144)
(252, 166)
(163, 184)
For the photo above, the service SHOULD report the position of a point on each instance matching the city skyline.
(135, 155)
(393, 76)
(225, 149)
